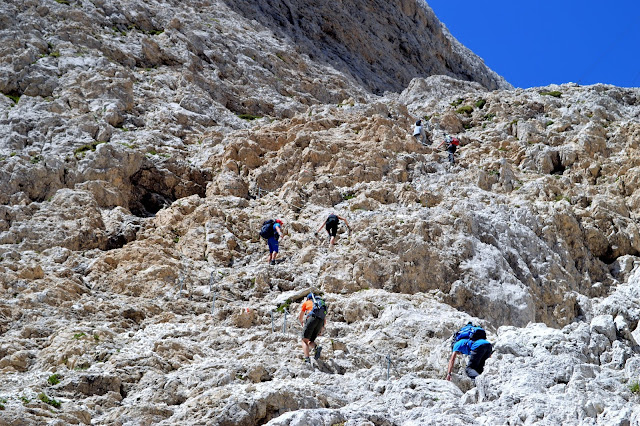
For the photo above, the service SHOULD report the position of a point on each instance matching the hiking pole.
(388, 365)
(213, 302)
(284, 326)
(210, 281)
(181, 283)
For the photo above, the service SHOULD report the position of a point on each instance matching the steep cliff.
(143, 144)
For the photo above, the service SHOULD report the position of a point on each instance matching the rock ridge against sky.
(143, 143)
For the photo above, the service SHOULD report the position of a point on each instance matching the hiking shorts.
(477, 358)
(312, 327)
(273, 245)
(451, 158)
(332, 229)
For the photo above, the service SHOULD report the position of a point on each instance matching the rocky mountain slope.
(143, 144)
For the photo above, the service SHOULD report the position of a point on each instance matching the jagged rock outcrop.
(143, 144)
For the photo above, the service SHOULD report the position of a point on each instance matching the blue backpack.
(469, 331)
(319, 309)
(266, 231)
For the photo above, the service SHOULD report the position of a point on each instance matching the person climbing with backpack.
(331, 225)
(272, 231)
(452, 145)
(470, 340)
(419, 133)
(313, 318)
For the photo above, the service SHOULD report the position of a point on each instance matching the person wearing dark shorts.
(452, 144)
(478, 350)
(331, 225)
(477, 358)
(313, 327)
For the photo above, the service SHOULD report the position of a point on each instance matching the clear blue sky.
(541, 42)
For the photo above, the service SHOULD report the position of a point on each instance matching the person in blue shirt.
(274, 246)
(478, 350)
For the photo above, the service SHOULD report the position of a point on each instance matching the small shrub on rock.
(554, 93)
(54, 379)
(467, 109)
(44, 398)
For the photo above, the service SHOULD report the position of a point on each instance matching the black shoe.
(316, 355)
(273, 262)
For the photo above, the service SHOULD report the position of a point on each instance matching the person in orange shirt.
(313, 321)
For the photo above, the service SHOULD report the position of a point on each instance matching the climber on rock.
(331, 225)
(470, 340)
(313, 318)
(452, 145)
(419, 133)
(272, 231)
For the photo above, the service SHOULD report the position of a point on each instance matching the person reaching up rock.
(452, 145)
(470, 340)
(272, 231)
(331, 225)
(419, 133)
(313, 318)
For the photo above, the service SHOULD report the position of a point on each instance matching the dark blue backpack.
(266, 231)
(319, 309)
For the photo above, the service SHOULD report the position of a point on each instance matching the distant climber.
(331, 225)
(313, 317)
(272, 231)
(470, 340)
(452, 145)
(420, 133)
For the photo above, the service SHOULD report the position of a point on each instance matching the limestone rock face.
(386, 53)
(143, 144)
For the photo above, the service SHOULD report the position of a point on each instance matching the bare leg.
(305, 347)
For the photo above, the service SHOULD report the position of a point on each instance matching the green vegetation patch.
(480, 103)
(14, 98)
(348, 195)
(554, 93)
(467, 109)
(54, 379)
(284, 306)
(44, 398)
(635, 387)
(457, 102)
(82, 151)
